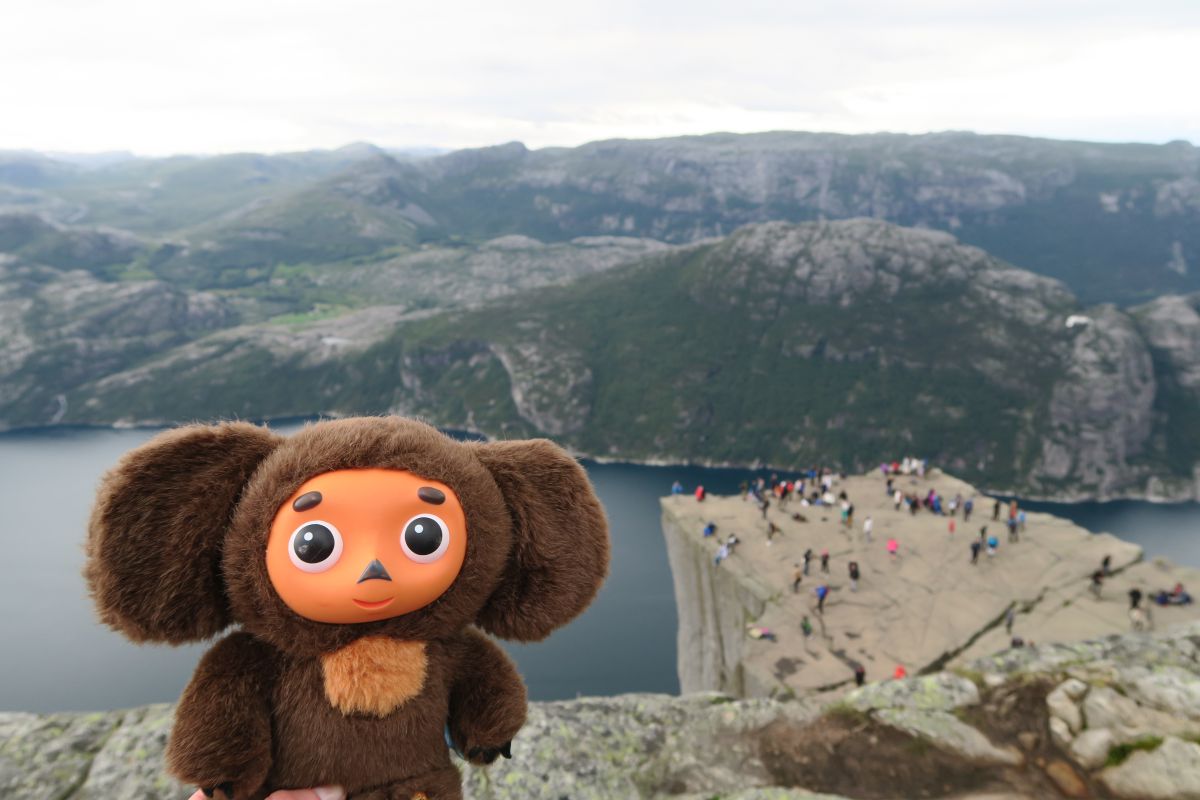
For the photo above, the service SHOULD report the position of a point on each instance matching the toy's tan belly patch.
(375, 675)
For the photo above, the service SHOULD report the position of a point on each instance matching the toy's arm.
(222, 734)
(487, 700)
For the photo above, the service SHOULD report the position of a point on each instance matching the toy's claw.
(489, 754)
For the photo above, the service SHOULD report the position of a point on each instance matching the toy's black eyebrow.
(431, 495)
(306, 501)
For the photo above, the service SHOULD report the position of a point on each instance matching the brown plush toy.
(357, 556)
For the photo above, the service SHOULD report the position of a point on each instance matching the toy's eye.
(425, 538)
(315, 546)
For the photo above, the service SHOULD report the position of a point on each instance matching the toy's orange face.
(362, 545)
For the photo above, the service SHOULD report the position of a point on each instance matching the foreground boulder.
(1117, 717)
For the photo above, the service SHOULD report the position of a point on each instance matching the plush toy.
(361, 559)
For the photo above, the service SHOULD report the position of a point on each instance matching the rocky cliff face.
(1112, 718)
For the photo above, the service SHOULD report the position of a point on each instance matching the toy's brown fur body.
(176, 554)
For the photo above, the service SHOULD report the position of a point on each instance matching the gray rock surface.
(987, 743)
(1167, 772)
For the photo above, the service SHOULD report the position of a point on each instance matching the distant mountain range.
(610, 296)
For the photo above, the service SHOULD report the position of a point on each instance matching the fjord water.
(57, 657)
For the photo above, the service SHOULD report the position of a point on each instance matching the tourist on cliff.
(722, 554)
(1010, 617)
(797, 577)
(1012, 529)
(772, 529)
(992, 544)
(996, 511)
(900, 672)
(975, 548)
(952, 525)
(710, 529)
(806, 627)
(822, 592)
(825, 561)
(1097, 583)
(1135, 598)
(676, 488)
(1106, 565)
(700, 493)
(893, 548)
(854, 576)
(1021, 519)
(763, 505)
(808, 555)
(898, 499)
(732, 542)
(868, 524)
(744, 489)
(860, 674)
(968, 507)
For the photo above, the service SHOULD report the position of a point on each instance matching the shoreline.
(1065, 498)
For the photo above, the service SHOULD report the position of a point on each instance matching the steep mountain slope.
(70, 343)
(104, 252)
(1116, 222)
(842, 342)
(360, 212)
(60, 328)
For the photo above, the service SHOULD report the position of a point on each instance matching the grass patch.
(847, 713)
(973, 675)
(1118, 754)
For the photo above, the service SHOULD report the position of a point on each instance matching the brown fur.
(176, 553)
(375, 675)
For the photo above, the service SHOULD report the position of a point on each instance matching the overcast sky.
(169, 76)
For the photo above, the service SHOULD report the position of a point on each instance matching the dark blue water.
(54, 656)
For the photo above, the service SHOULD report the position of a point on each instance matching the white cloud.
(226, 75)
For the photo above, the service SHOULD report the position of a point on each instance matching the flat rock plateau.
(923, 609)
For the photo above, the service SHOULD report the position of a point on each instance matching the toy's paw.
(226, 790)
(486, 755)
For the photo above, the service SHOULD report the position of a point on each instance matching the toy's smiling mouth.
(372, 606)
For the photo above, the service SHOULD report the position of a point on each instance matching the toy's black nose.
(374, 572)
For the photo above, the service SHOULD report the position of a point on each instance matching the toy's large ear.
(158, 526)
(559, 554)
